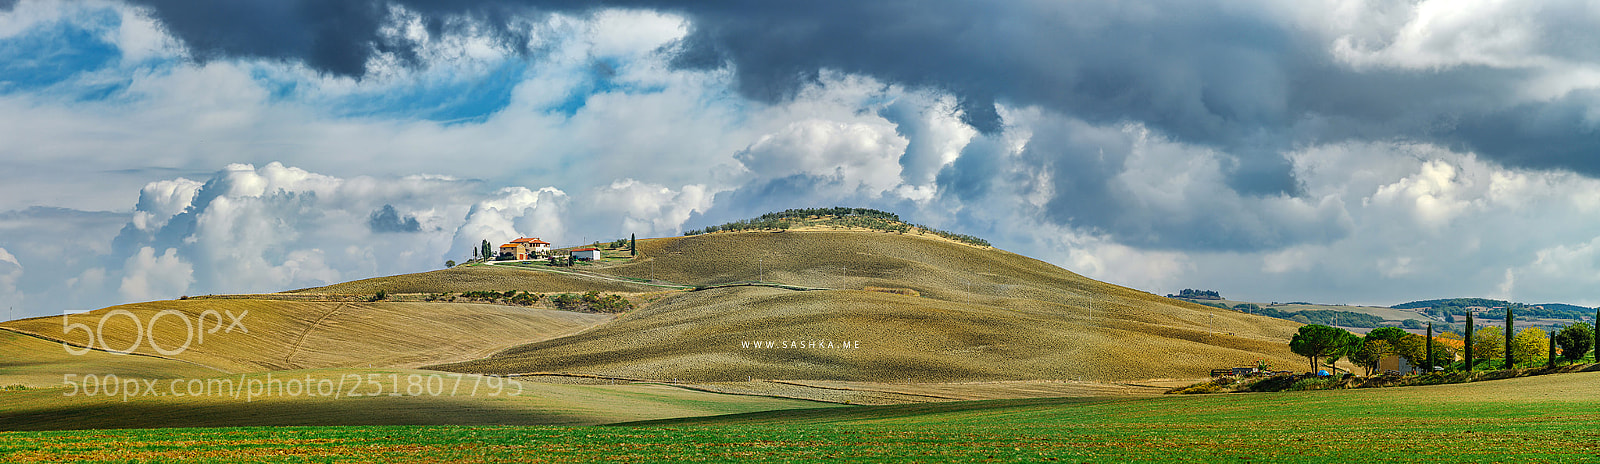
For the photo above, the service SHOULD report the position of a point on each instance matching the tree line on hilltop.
(1197, 294)
(1453, 307)
(865, 218)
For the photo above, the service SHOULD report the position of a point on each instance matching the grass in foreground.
(1536, 419)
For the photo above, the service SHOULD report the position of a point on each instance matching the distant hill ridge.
(1458, 306)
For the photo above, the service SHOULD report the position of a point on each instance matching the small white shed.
(586, 254)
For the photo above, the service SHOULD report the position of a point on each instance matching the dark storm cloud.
(386, 219)
(1216, 73)
(1222, 75)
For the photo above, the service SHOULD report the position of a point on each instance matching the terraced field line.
(302, 338)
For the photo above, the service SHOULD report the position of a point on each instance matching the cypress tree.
(1510, 360)
(1469, 341)
(1551, 361)
(633, 245)
(1428, 350)
(1597, 335)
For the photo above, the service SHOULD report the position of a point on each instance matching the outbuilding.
(586, 254)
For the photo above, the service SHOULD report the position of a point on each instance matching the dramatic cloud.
(1327, 150)
(386, 219)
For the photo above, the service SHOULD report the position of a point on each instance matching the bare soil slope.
(982, 314)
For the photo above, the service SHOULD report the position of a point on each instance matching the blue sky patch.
(57, 52)
(451, 101)
(600, 78)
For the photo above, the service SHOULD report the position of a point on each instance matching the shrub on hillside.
(526, 299)
(566, 301)
(1314, 383)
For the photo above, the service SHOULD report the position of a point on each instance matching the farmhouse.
(586, 254)
(1397, 364)
(524, 248)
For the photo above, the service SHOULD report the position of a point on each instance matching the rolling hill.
(980, 314)
(876, 307)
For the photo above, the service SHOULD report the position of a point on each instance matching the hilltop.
(837, 218)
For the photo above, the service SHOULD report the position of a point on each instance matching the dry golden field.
(34, 362)
(982, 314)
(277, 335)
(479, 278)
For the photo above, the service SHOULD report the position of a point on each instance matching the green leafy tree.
(1319, 341)
(1489, 343)
(1575, 341)
(1529, 344)
(1419, 352)
(1372, 352)
(1388, 334)
(449, 263)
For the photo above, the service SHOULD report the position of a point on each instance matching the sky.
(1332, 151)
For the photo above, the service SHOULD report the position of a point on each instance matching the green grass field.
(1533, 419)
